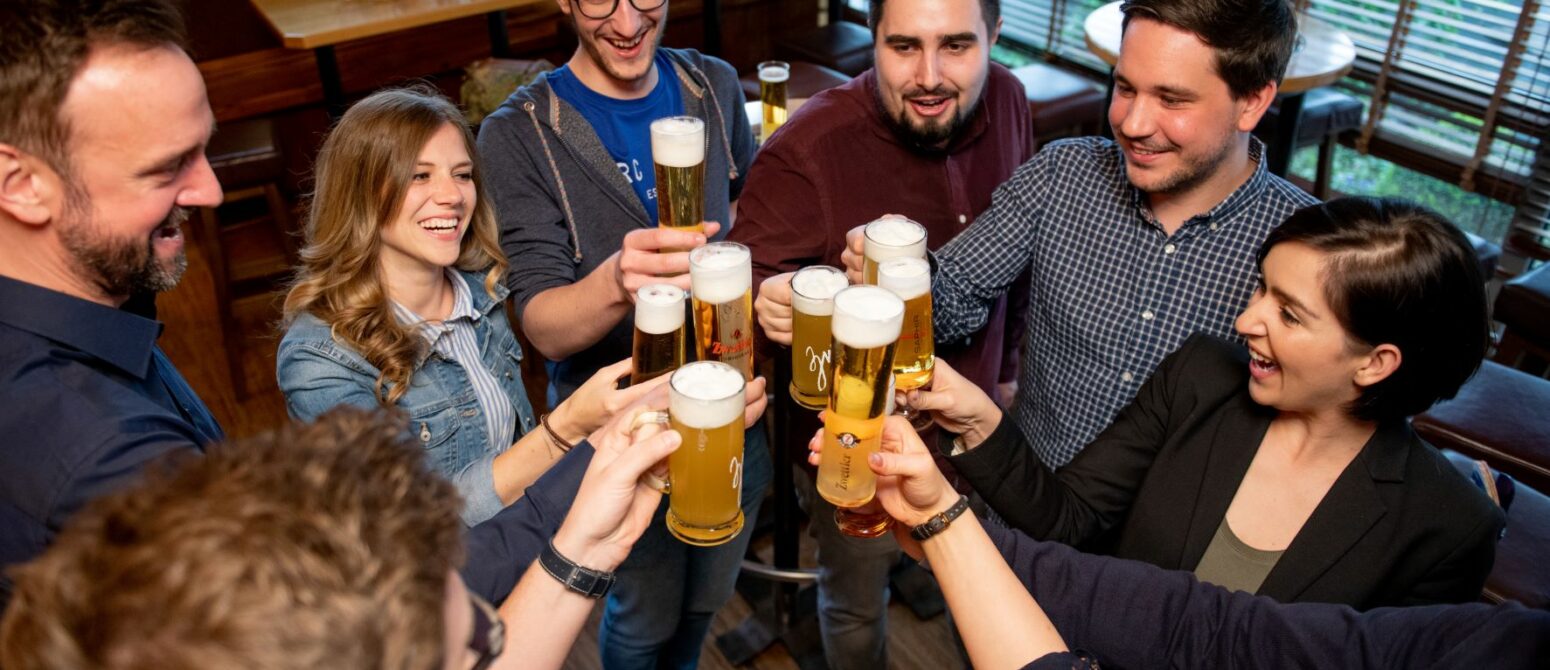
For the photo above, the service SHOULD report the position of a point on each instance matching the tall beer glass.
(705, 474)
(773, 75)
(891, 236)
(659, 332)
(812, 304)
(866, 327)
(721, 284)
(910, 279)
(678, 152)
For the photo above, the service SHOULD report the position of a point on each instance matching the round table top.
(1326, 53)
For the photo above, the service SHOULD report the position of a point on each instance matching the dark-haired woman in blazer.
(1285, 468)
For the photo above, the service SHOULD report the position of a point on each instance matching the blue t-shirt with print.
(624, 126)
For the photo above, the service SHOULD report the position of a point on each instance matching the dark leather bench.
(807, 80)
(1519, 573)
(842, 45)
(1523, 307)
(1062, 104)
(1500, 416)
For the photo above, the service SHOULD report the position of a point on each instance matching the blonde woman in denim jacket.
(398, 302)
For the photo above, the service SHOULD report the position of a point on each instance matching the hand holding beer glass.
(659, 332)
(866, 324)
(721, 284)
(910, 279)
(772, 95)
(678, 155)
(891, 236)
(706, 404)
(812, 306)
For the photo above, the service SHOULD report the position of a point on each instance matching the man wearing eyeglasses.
(568, 161)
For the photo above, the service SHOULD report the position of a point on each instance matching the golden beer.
(773, 76)
(721, 284)
(705, 474)
(865, 326)
(891, 236)
(659, 332)
(812, 305)
(678, 155)
(910, 279)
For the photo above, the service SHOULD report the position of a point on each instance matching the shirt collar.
(121, 339)
(462, 308)
(1246, 195)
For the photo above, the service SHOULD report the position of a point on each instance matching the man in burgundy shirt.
(928, 133)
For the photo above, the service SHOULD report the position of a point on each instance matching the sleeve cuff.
(476, 483)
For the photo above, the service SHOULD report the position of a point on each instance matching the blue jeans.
(852, 586)
(667, 592)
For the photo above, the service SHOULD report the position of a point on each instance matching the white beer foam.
(813, 289)
(659, 308)
(707, 394)
(678, 141)
(720, 272)
(906, 277)
(774, 75)
(867, 316)
(895, 230)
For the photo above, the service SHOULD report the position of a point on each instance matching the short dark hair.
(46, 42)
(990, 10)
(1398, 273)
(326, 544)
(1252, 39)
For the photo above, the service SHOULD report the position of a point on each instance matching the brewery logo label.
(848, 440)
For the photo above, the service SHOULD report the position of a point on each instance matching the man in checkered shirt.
(1135, 243)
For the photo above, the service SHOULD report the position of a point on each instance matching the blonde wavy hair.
(360, 176)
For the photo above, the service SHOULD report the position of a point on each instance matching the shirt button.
(962, 219)
(1147, 315)
(1127, 376)
(1214, 227)
(1169, 249)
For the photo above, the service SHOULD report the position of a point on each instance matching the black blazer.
(1399, 527)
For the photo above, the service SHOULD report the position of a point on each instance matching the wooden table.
(321, 24)
(1323, 56)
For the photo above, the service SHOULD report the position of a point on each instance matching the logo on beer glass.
(848, 440)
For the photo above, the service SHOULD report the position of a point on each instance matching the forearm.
(567, 319)
(1001, 625)
(521, 465)
(542, 620)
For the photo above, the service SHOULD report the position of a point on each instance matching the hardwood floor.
(194, 341)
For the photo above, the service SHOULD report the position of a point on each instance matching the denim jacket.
(317, 373)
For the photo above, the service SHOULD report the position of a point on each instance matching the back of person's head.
(990, 10)
(1252, 39)
(316, 546)
(360, 177)
(1398, 273)
(46, 43)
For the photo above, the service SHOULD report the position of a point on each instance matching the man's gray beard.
(124, 267)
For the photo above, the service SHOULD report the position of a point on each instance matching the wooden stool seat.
(842, 46)
(1061, 104)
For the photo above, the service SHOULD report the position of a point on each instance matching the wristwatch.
(590, 583)
(938, 523)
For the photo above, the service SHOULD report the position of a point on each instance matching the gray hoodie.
(563, 206)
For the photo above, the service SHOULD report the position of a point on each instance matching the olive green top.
(1230, 563)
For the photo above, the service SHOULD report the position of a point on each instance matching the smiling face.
(139, 123)
(1172, 114)
(438, 204)
(1302, 359)
(932, 60)
(619, 49)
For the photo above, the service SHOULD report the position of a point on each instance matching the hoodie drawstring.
(570, 218)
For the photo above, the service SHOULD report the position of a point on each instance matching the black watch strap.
(590, 583)
(938, 523)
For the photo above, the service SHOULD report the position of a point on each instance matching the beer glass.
(910, 279)
(705, 474)
(891, 236)
(678, 155)
(721, 288)
(659, 332)
(773, 75)
(812, 304)
(865, 325)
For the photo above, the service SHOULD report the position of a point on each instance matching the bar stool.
(1326, 115)
(1061, 104)
(249, 240)
(841, 45)
(1523, 307)
(1498, 417)
(1518, 573)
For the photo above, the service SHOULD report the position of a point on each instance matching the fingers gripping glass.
(602, 9)
(489, 637)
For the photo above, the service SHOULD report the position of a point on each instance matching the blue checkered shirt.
(1111, 292)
